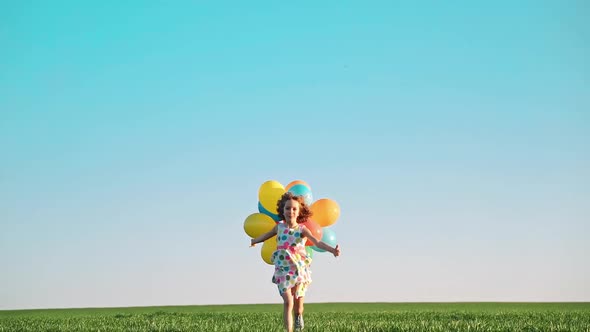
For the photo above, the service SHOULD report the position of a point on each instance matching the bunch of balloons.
(325, 214)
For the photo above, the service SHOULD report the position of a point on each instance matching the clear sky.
(134, 136)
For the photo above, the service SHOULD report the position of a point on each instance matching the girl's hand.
(337, 251)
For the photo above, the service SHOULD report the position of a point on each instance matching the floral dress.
(291, 261)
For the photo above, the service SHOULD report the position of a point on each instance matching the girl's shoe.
(299, 324)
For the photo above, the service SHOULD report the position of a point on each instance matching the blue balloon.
(328, 237)
(261, 209)
(302, 190)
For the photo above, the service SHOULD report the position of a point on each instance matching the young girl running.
(292, 263)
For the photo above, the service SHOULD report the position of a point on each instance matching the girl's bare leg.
(288, 310)
(298, 308)
(298, 302)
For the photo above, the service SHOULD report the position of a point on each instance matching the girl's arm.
(322, 245)
(264, 236)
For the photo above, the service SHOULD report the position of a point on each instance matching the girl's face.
(291, 210)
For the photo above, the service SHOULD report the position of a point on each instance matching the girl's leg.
(288, 310)
(298, 302)
(299, 306)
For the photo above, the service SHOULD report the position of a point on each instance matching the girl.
(292, 263)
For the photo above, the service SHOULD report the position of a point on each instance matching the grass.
(318, 317)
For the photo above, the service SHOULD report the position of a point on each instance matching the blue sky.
(134, 137)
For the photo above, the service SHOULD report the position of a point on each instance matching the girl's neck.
(291, 224)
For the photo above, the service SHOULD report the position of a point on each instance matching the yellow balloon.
(269, 194)
(257, 224)
(325, 212)
(268, 248)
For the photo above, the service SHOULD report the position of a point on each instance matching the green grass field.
(318, 317)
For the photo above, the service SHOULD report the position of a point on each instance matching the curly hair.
(304, 210)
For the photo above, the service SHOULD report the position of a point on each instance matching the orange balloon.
(315, 230)
(325, 212)
(297, 182)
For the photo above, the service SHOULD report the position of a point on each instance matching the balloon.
(257, 224)
(302, 190)
(325, 212)
(268, 248)
(261, 209)
(292, 183)
(269, 194)
(328, 237)
(315, 230)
